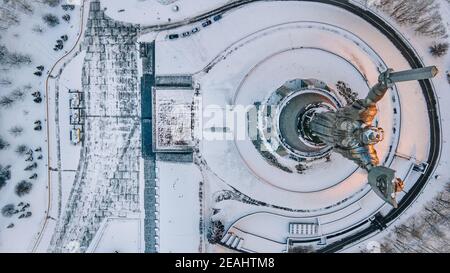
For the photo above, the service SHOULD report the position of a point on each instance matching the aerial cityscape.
(224, 126)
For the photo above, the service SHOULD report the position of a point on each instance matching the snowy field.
(179, 207)
(118, 236)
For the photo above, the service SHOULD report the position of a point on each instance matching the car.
(173, 36)
(75, 136)
(217, 17)
(186, 34)
(206, 23)
(194, 30)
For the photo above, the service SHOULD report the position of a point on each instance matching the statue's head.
(372, 135)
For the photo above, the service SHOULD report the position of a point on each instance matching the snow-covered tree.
(18, 94)
(8, 58)
(5, 81)
(50, 19)
(3, 143)
(52, 3)
(5, 175)
(8, 17)
(422, 15)
(8, 210)
(16, 131)
(215, 232)
(22, 149)
(439, 49)
(22, 6)
(6, 101)
(426, 231)
(301, 249)
(23, 187)
(38, 29)
(10, 11)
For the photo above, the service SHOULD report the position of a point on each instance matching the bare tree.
(431, 25)
(3, 144)
(301, 249)
(18, 94)
(5, 81)
(422, 15)
(8, 17)
(8, 58)
(22, 6)
(215, 232)
(426, 231)
(22, 149)
(16, 131)
(38, 29)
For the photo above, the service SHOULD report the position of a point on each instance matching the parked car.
(206, 23)
(194, 30)
(217, 17)
(75, 136)
(173, 36)
(186, 34)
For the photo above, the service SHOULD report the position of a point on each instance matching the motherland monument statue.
(351, 133)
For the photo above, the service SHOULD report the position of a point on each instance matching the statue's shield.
(381, 180)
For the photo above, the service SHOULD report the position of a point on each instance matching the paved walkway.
(108, 178)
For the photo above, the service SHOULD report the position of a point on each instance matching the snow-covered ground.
(111, 238)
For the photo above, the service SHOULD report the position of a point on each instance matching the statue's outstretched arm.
(388, 78)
